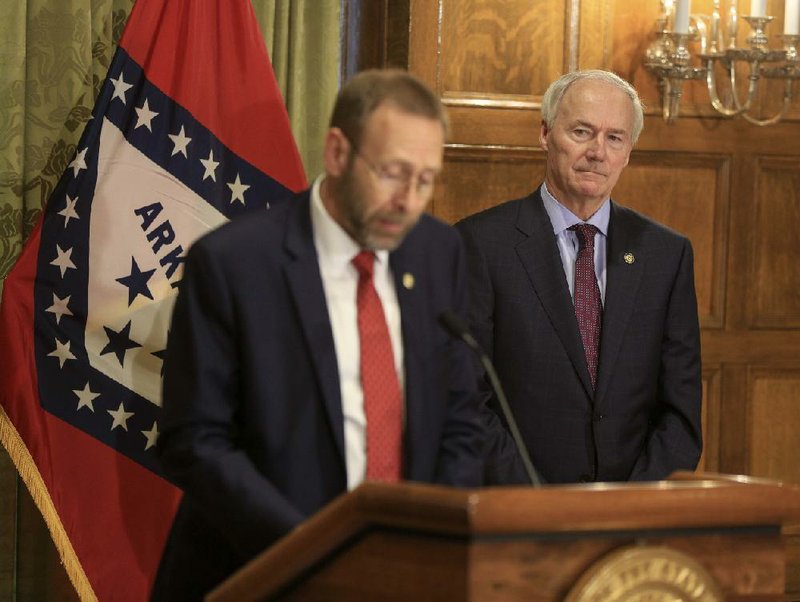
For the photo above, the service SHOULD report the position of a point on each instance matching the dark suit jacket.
(253, 429)
(643, 421)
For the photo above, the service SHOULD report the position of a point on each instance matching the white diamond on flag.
(139, 211)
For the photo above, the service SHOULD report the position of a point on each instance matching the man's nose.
(597, 148)
(408, 195)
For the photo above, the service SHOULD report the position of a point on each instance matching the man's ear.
(543, 132)
(336, 152)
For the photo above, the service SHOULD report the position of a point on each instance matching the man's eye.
(426, 180)
(394, 172)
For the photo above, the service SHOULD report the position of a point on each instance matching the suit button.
(599, 417)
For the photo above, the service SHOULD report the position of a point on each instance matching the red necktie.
(588, 305)
(383, 403)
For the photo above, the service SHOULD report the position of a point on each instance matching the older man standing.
(588, 307)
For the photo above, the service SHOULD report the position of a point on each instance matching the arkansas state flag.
(189, 130)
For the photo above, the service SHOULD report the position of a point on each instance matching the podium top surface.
(683, 502)
(686, 502)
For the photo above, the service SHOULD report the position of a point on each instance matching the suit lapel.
(622, 283)
(542, 261)
(305, 285)
(409, 283)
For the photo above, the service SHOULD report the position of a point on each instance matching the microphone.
(456, 327)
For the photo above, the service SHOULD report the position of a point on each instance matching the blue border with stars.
(163, 131)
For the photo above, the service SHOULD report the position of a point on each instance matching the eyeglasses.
(397, 176)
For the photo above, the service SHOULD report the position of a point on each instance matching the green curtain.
(52, 63)
(54, 55)
(303, 41)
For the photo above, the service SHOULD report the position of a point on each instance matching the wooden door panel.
(773, 423)
(775, 275)
(688, 192)
(496, 49)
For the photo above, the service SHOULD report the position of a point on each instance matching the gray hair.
(555, 92)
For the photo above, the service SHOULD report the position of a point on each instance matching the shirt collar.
(562, 218)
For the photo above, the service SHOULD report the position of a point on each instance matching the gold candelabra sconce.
(669, 57)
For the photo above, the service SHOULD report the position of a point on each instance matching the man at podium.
(305, 353)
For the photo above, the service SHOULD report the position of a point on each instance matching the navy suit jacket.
(643, 420)
(252, 428)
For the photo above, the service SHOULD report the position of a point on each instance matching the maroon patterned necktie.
(588, 305)
(383, 402)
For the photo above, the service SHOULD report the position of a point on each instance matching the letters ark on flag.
(189, 130)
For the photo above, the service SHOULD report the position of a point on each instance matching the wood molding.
(712, 398)
(375, 34)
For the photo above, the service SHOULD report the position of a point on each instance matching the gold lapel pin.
(408, 280)
(629, 258)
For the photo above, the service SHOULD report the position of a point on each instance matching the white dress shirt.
(335, 251)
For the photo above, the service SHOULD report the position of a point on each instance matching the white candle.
(681, 24)
(758, 8)
(791, 17)
(733, 26)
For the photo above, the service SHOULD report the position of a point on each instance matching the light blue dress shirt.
(562, 218)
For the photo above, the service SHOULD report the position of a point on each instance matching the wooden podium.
(715, 538)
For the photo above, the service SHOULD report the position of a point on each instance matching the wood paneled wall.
(733, 188)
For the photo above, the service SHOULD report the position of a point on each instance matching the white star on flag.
(62, 352)
(78, 163)
(63, 260)
(144, 116)
(120, 417)
(211, 166)
(69, 211)
(120, 87)
(152, 436)
(180, 141)
(237, 190)
(59, 307)
(86, 397)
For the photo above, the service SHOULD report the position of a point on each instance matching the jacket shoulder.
(257, 228)
(503, 212)
(430, 231)
(632, 220)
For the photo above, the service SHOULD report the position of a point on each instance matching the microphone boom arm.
(512, 423)
(459, 330)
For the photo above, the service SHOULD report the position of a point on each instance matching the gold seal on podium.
(645, 574)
